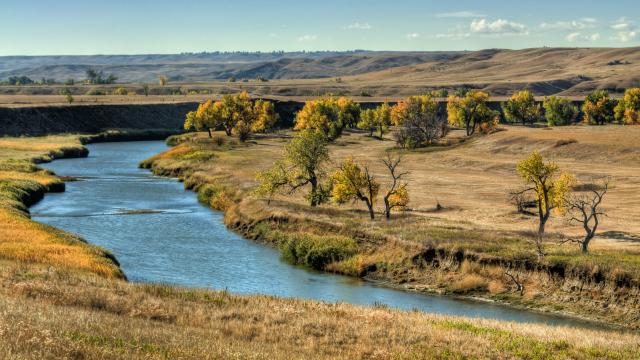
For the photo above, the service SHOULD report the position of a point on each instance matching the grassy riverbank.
(59, 309)
(466, 246)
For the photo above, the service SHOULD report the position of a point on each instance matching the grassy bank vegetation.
(21, 184)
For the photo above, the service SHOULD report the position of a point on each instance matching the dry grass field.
(55, 307)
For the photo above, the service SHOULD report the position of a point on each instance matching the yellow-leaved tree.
(628, 109)
(471, 112)
(376, 119)
(521, 107)
(550, 188)
(328, 115)
(234, 114)
(353, 183)
(396, 195)
(598, 108)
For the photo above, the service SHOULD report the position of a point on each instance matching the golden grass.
(25, 240)
(46, 312)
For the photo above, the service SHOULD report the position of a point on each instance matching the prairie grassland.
(55, 313)
(21, 184)
(476, 223)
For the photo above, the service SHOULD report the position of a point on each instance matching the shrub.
(598, 108)
(628, 109)
(199, 155)
(559, 111)
(316, 251)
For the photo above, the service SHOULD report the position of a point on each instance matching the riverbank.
(425, 250)
(50, 309)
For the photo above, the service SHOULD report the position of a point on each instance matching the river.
(161, 234)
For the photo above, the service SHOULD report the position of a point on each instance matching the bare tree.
(396, 196)
(585, 210)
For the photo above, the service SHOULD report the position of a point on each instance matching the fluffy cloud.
(461, 14)
(580, 24)
(305, 38)
(625, 30)
(359, 26)
(498, 27)
(577, 36)
(412, 36)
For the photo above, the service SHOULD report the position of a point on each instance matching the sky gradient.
(83, 27)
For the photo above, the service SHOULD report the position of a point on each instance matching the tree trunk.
(371, 213)
(314, 190)
(209, 131)
(387, 209)
(227, 131)
(586, 241)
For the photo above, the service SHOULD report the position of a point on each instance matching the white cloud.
(625, 36)
(498, 27)
(583, 23)
(305, 38)
(461, 14)
(625, 30)
(578, 36)
(358, 26)
(413, 36)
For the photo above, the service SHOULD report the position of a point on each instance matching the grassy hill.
(566, 71)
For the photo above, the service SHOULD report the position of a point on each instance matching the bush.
(559, 111)
(316, 251)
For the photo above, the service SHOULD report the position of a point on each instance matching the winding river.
(161, 234)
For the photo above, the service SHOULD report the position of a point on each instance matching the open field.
(53, 308)
(467, 246)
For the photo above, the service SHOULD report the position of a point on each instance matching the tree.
(396, 196)
(559, 111)
(472, 112)
(420, 120)
(586, 211)
(303, 165)
(352, 183)
(95, 77)
(550, 189)
(234, 114)
(163, 80)
(376, 119)
(68, 95)
(328, 115)
(521, 107)
(145, 89)
(367, 121)
(628, 109)
(598, 108)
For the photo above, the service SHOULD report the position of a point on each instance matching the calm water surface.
(187, 244)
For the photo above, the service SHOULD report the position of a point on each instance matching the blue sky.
(48, 27)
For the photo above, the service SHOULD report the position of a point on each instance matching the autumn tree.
(353, 183)
(585, 210)
(234, 114)
(598, 108)
(559, 111)
(377, 119)
(328, 115)
(303, 165)
(628, 109)
(396, 195)
(163, 80)
(471, 112)
(550, 189)
(420, 121)
(521, 107)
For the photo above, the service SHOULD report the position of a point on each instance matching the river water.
(178, 241)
